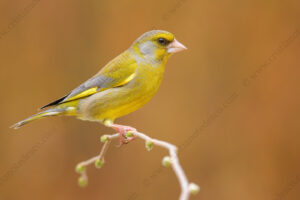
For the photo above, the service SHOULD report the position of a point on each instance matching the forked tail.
(46, 113)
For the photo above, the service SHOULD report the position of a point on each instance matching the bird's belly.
(116, 102)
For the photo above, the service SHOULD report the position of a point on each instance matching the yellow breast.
(116, 102)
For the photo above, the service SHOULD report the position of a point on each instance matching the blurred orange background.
(231, 102)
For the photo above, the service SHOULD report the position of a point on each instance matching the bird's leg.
(122, 130)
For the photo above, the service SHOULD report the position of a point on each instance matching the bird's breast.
(117, 102)
(148, 79)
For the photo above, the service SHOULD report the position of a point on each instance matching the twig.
(171, 160)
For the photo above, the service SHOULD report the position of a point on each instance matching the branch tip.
(149, 145)
(194, 188)
(167, 161)
(82, 181)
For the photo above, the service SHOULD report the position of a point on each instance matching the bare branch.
(171, 160)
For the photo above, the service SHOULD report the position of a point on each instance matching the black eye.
(162, 41)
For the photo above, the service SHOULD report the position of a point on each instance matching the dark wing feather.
(54, 102)
(98, 81)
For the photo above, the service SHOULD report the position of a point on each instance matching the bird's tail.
(46, 113)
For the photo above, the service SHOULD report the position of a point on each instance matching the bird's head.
(156, 45)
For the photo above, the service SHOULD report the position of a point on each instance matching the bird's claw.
(123, 130)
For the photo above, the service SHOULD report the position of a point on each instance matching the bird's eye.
(162, 41)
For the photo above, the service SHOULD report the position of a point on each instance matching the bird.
(122, 86)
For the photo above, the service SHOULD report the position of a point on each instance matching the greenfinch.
(122, 86)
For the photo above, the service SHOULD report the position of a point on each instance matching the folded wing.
(118, 72)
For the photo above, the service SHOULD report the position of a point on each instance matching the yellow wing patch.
(127, 80)
(85, 93)
(94, 90)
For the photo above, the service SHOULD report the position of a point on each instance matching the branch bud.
(98, 163)
(149, 145)
(79, 169)
(104, 138)
(129, 134)
(82, 182)
(166, 161)
(193, 188)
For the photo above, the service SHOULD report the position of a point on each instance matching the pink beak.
(175, 47)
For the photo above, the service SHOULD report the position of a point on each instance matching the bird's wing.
(118, 72)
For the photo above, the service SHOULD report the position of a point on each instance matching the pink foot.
(122, 130)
